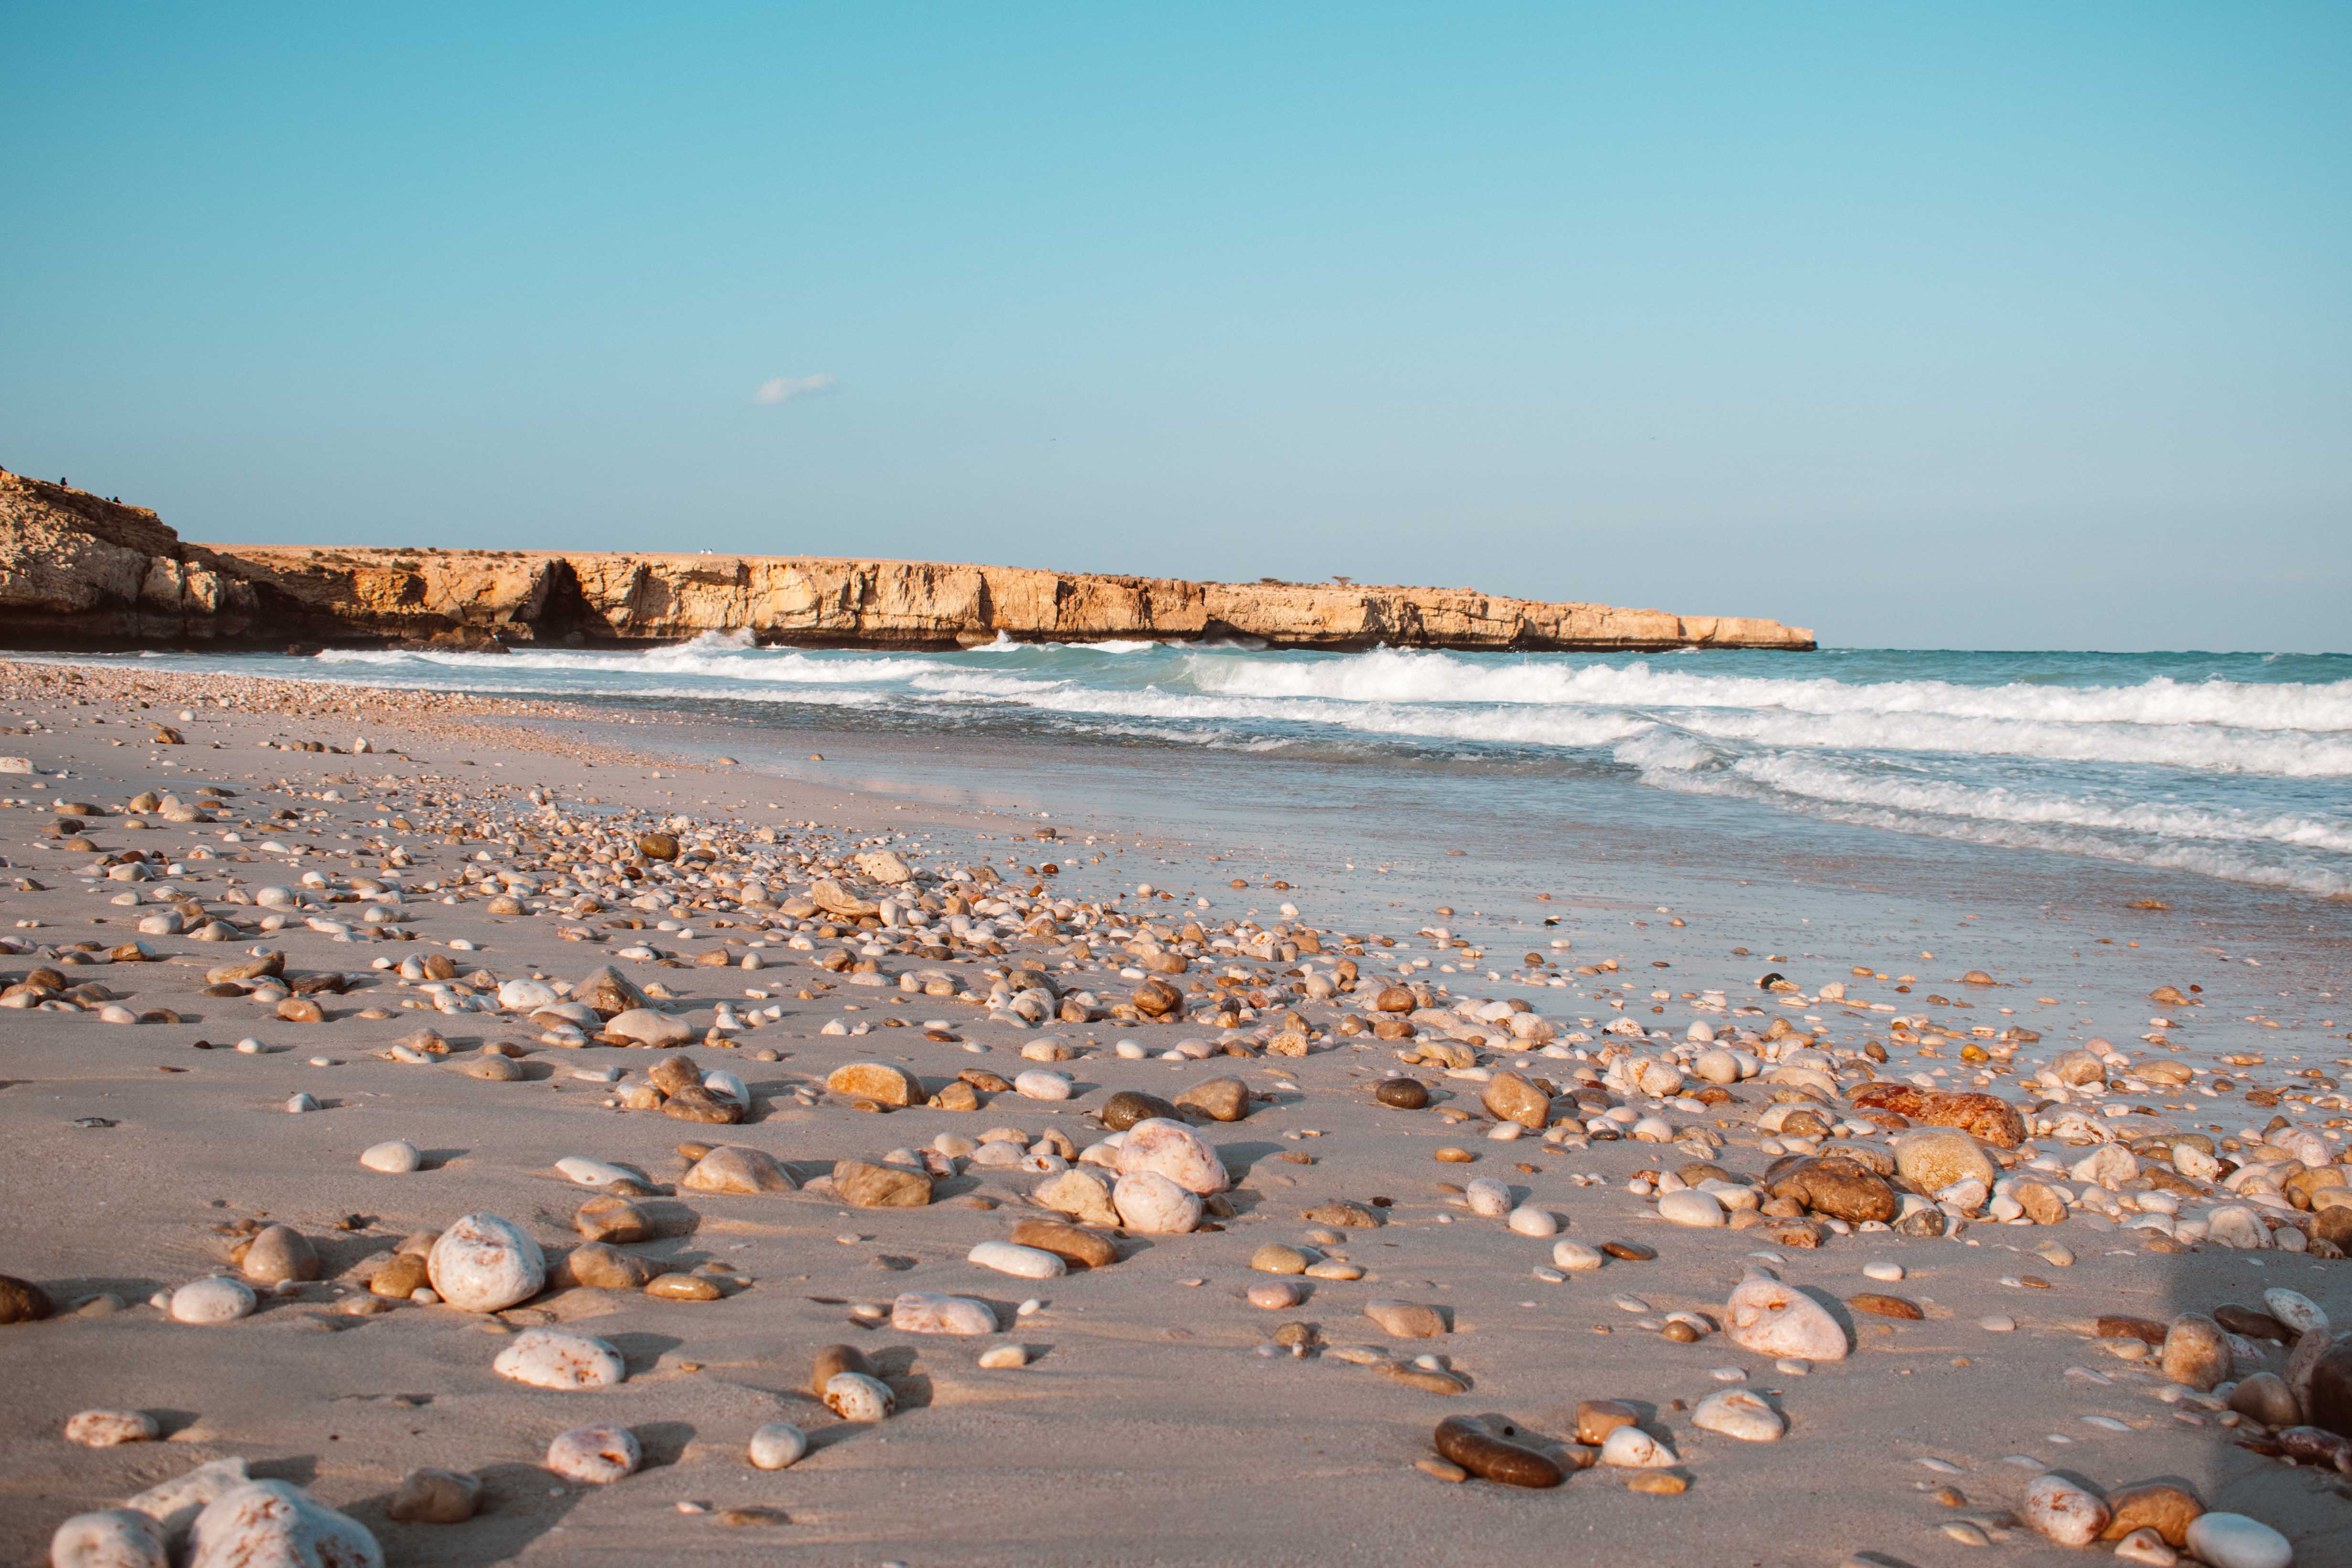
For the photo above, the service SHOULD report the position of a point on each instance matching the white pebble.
(1021, 1262)
(113, 1538)
(593, 1172)
(278, 1523)
(777, 1445)
(1998, 1323)
(1634, 1448)
(1886, 1273)
(920, 1312)
(1039, 1084)
(2235, 1541)
(596, 1455)
(485, 1264)
(1692, 1207)
(212, 1301)
(395, 1158)
(855, 1397)
(550, 1358)
(1001, 1358)
(1735, 1413)
(1529, 1220)
(1575, 1257)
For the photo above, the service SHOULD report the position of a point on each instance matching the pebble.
(777, 1445)
(1488, 1198)
(677, 1287)
(1630, 1448)
(1152, 1204)
(2146, 1546)
(1998, 1323)
(1885, 1273)
(594, 1172)
(1735, 1413)
(1406, 1320)
(551, 1357)
(920, 1312)
(1275, 1295)
(2061, 1510)
(859, 1396)
(2235, 1541)
(278, 1523)
(1159, 1147)
(2298, 1312)
(1038, 1084)
(112, 1538)
(1004, 1358)
(1488, 1450)
(111, 1428)
(1528, 1220)
(279, 1254)
(1021, 1262)
(1575, 1257)
(1776, 1319)
(396, 1157)
(1692, 1207)
(300, 1102)
(485, 1264)
(2196, 1352)
(216, 1301)
(436, 1497)
(597, 1455)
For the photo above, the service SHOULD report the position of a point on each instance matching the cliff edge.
(79, 570)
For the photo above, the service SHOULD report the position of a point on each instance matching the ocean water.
(2236, 767)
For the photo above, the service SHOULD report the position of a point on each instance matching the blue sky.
(1924, 325)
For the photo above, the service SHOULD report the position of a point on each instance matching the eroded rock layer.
(76, 569)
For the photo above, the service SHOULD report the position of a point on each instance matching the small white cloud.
(784, 388)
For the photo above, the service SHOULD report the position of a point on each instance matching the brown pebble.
(1454, 1156)
(1681, 1332)
(1658, 1483)
(748, 1516)
(1487, 1450)
(833, 1360)
(1951, 1496)
(1444, 1469)
(2116, 1326)
(1880, 1306)
(1596, 1418)
(682, 1288)
(1403, 1094)
(1629, 1251)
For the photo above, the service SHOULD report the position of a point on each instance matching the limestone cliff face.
(77, 569)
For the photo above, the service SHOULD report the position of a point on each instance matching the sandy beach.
(1212, 1392)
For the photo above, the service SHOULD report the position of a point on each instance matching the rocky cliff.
(76, 570)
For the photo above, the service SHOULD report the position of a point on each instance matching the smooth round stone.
(593, 1172)
(1149, 1203)
(1735, 1413)
(485, 1264)
(1772, 1319)
(1004, 1358)
(2298, 1312)
(2235, 1541)
(1488, 1198)
(111, 1428)
(598, 1455)
(526, 995)
(1274, 1257)
(212, 1301)
(1332, 1268)
(777, 1445)
(677, 1287)
(1575, 1257)
(1529, 1220)
(1403, 1094)
(1275, 1295)
(396, 1157)
(278, 1254)
(279, 1523)
(2068, 1513)
(1692, 1207)
(1630, 1448)
(858, 1396)
(1998, 1323)
(436, 1497)
(1039, 1084)
(2196, 1352)
(551, 1357)
(112, 1538)
(1021, 1262)
(1159, 1147)
(1885, 1273)
(920, 1313)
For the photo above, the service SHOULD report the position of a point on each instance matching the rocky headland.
(77, 570)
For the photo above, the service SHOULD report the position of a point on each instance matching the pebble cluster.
(786, 998)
